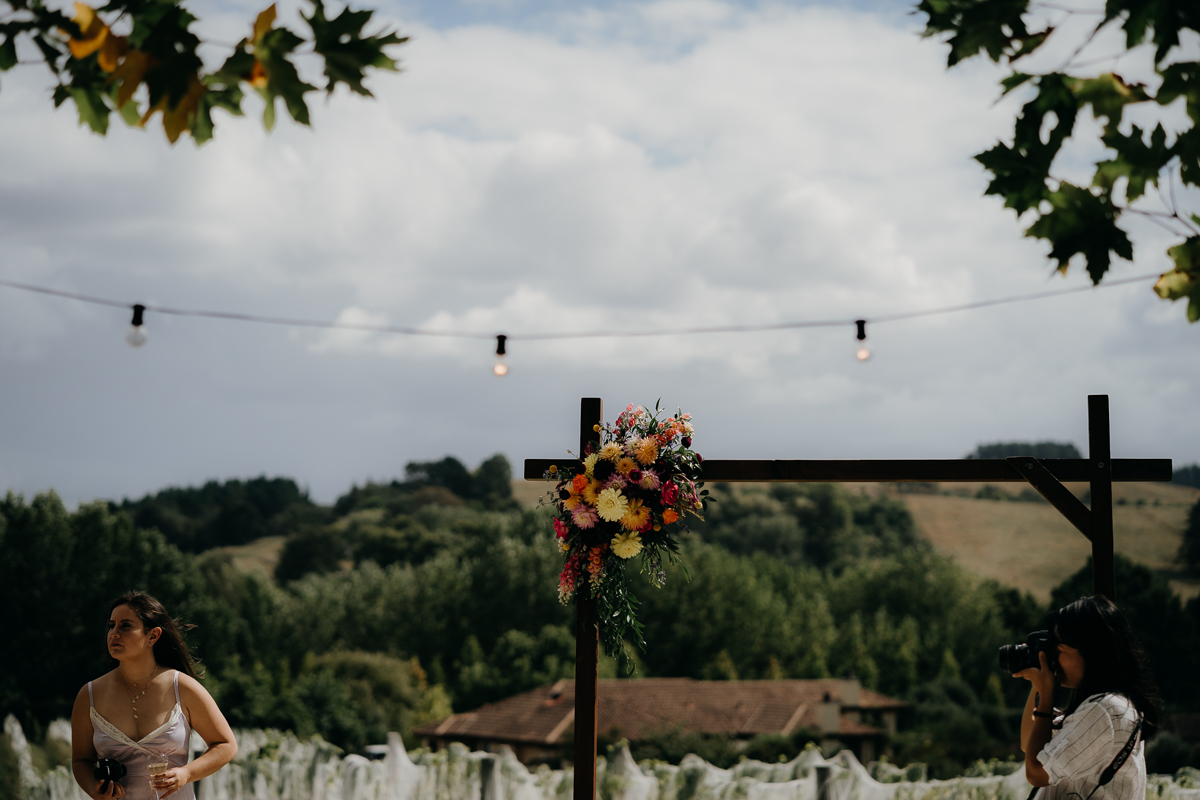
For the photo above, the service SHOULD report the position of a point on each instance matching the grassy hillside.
(999, 538)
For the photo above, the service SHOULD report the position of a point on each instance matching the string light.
(137, 329)
(137, 333)
(501, 369)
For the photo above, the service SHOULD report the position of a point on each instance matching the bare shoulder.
(192, 689)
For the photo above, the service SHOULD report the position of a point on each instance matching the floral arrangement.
(626, 497)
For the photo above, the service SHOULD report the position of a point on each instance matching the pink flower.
(670, 494)
(649, 479)
(560, 528)
(617, 481)
(584, 517)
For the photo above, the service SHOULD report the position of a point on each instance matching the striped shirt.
(1086, 744)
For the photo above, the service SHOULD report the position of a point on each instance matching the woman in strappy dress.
(148, 706)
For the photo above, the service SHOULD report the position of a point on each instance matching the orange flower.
(579, 482)
(670, 516)
(626, 465)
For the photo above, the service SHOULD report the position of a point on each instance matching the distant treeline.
(409, 598)
(1187, 475)
(1033, 449)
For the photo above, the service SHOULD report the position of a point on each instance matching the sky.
(555, 167)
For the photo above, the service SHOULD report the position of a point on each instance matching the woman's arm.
(1036, 731)
(208, 721)
(83, 753)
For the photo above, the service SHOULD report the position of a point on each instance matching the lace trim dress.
(172, 739)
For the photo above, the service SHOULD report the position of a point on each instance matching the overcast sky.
(559, 167)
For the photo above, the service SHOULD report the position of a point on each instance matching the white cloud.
(653, 165)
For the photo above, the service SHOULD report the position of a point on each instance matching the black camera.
(109, 769)
(1016, 657)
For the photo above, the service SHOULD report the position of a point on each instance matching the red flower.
(670, 494)
(560, 528)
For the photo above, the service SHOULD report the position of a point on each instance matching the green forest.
(406, 600)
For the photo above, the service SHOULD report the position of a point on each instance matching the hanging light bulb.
(137, 329)
(501, 369)
(862, 353)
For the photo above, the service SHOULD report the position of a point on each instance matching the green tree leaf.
(977, 26)
(8, 53)
(1184, 280)
(346, 51)
(1080, 222)
(1135, 160)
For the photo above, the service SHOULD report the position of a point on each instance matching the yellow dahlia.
(646, 451)
(626, 466)
(591, 492)
(637, 516)
(627, 545)
(589, 463)
(611, 505)
(611, 451)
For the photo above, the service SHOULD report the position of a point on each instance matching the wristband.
(1043, 714)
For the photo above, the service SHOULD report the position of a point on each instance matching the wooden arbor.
(1045, 475)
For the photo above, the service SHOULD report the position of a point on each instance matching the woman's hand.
(108, 790)
(170, 782)
(1042, 679)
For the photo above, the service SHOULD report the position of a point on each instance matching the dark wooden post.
(587, 643)
(1104, 579)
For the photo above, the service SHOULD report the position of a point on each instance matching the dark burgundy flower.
(603, 470)
(564, 495)
(635, 475)
(686, 441)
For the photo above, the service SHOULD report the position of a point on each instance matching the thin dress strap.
(91, 698)
(177, 689)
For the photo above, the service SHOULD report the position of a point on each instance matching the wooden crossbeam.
(998, 470)
(1046, 475)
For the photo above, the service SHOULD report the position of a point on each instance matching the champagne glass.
(156, 764)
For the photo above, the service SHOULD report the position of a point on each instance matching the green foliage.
(219, 514)
(1078, 220)
(1167, 754)
(316, 550)
(155, 66)
(952, 728)
(1189, 549)
(1187, 475)
(1035, 449)
(816, 524)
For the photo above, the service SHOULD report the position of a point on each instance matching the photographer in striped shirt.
(1093, 749)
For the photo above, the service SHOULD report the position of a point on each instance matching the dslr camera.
(109, 769)
(1016, 657)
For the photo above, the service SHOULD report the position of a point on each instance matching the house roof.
(639, 708)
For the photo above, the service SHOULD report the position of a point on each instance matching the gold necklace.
(134, 700)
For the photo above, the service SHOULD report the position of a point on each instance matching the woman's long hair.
(1113, 660)
(170, 650)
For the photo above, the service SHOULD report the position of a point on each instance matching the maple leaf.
(1184, 279)
(130, 73)
(177, 119)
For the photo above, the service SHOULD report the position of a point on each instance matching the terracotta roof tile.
(640, 708)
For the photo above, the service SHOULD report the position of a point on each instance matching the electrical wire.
(551, 336)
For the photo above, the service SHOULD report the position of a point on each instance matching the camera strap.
(1110, 771)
